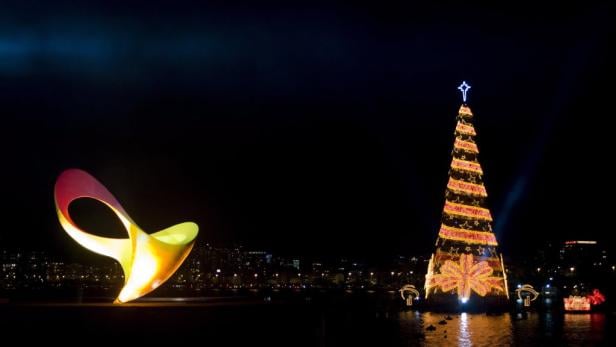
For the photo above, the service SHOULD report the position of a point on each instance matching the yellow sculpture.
(147, 260)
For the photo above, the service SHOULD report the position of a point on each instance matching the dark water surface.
(293, 324)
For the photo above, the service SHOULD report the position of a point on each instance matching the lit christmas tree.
(466, 264)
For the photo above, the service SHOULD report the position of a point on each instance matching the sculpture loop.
(147, 260)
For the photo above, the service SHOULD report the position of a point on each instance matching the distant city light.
(538, 269)
(580, 242)
(572, 269)
(547, 285)
(217, 270)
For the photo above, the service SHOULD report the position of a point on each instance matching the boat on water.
(588, 303)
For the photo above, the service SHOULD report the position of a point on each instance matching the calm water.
(507, 329)
(296, 324)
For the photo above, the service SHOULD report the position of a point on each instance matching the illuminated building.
(147, 260)
(466, 264)
(585, 256)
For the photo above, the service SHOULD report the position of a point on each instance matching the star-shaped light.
(464, 88)
(466, 276)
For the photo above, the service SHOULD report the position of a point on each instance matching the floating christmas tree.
(466, 263)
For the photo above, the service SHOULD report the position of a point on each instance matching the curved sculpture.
(147, 260)
(530, 294)
(412, 294)
(527, 288)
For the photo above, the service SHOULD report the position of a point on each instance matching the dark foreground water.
(292, 324)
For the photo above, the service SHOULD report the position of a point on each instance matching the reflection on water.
(584, 327)
(467, 329)
(465, 336)
(300, 324)
(464, 329)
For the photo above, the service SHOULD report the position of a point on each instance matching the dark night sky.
(313, 129)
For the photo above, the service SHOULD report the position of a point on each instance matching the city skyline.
(557, 268)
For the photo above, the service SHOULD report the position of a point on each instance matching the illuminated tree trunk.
(466, 264)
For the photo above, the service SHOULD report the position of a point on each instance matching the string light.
(466, 187)
(466, 165)
(465, 129)
(467, 211)
(467, 275)
(466, 230)
(466, 146)
(468, 236)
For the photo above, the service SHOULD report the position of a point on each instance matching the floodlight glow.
(147, 260)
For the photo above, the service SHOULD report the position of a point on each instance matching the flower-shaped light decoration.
(596, 298)
(466, 275)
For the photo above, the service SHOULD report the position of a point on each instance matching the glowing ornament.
(147, 260)
(466, 276)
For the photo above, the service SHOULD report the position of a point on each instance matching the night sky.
(312, 129)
